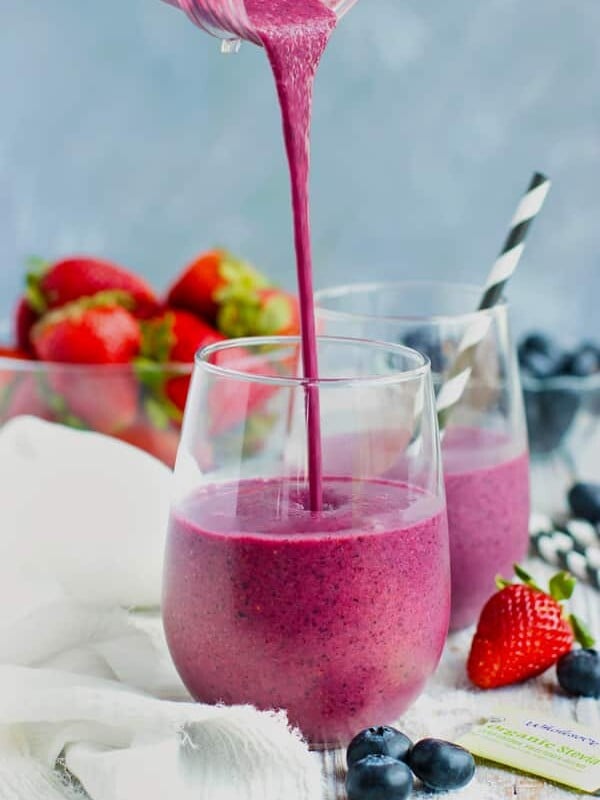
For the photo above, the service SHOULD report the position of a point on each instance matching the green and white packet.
(530, 741)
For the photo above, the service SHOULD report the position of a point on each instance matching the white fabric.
(85, 677)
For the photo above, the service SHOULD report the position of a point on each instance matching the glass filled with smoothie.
(484, 442)
(337, 613)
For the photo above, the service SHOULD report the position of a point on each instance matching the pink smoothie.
(487, 492)
(339, 617)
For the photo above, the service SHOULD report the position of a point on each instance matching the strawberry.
(10, 375)
(24, 320)
(522, 631)
(92, 331)
(173, 338)
(160, 443)
(58, 284)
(26, 396)
(231, 402)
(176, 336)
(199, 288)
(263, 312)
(104, 398)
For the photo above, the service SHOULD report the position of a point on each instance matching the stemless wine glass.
(484, 445)
(337, 616)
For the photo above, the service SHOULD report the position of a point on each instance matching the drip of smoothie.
(295, 35)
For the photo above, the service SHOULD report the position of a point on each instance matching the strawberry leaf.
(582, 634)
(501, 582)
(34, 295)
(36, 265)
(562, 585)
(149, 373)
(525, 577)
(157, 414)
(59, 407)
(108, 299)
(161, 412)
(158, 338)
(241, 274)
(274, 316)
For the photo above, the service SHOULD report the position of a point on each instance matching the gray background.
(124, 133)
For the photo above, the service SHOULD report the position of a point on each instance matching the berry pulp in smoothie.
(487, 493)
(338, 617)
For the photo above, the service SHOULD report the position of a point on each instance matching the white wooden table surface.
(450, 705)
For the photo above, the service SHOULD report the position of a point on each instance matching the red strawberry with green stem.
(522, 631)
(174, 339)
(91, 331)
(200, 287)
(57, 284)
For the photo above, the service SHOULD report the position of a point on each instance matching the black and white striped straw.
(506, 263)
(573, 545)
(460, 371)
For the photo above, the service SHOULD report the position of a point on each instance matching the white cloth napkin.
(88, 695)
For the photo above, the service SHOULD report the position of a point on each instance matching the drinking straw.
(574, 546)
(505, 265)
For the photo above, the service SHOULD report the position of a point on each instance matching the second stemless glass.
(484, 446)
(337, 616)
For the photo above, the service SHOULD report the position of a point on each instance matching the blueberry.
(550, 413)
(380, 740)
(378, 777)
(584, 361)
(441, 765)
(578, 672)
(584, 499)
(426, 341)
(540, 356)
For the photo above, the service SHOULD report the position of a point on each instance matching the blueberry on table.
(585, 361)
(378, 777)
(540, 356)
(441, 765)
(550, 413)
(578, 672)
(584, 500)
(379, 740)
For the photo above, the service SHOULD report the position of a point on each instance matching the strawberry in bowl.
(96, 348)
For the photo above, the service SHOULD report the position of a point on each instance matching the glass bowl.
(563, 421)
(130, 402)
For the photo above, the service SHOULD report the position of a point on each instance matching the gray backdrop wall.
(124, 133)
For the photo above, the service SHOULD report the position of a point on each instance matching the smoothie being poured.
(294, 34)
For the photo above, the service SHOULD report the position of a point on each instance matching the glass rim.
(345, 289)
(31, 365)
(570, 383)
(420, 371)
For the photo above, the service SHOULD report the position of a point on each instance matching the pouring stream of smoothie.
(295, 36)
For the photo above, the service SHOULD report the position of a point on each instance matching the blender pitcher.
(229, 21)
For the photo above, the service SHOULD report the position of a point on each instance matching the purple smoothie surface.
(339, 617)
